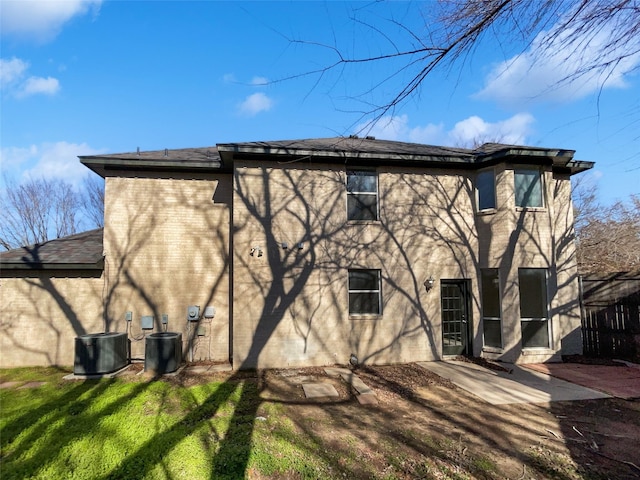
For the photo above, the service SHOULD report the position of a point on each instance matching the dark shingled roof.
(205, 158)
(351, 147)
(356, 150)
(79, 251)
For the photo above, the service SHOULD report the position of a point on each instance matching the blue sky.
(88, 77)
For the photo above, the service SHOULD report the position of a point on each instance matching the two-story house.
(313, 250)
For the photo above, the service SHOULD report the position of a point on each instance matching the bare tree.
(36, 211)
(601, 35)
(608, 237)
(93, 200)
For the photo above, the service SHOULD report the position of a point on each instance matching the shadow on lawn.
(60, 414)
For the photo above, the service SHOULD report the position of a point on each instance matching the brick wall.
(291, 305)
(167, 247)
(43, 311)
(168, 244)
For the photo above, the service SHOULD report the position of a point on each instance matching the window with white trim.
(491, 311)
(364, 292)
(362, 195)
(528, 187)
(534, 310)
(486, 190)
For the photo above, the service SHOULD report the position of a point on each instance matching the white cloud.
(229, 78)
(465, 133)
(48, 160)
(42, 20)
(259, 81)
(12, 70)
(14, 80)
(36, 85)
(255, 103)
(474, 130)
(397, 128)
(548, 74)
(12, 157)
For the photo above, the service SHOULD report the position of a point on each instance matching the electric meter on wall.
(193, 313)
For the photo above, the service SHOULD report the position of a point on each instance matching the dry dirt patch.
(425, 427)
(427, 423)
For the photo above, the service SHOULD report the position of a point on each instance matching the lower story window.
(492, 326)
(364, 292)
(534, 313)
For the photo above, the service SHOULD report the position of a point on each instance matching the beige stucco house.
(311, 251)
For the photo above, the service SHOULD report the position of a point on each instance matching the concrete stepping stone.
(9, 384)
(367, 399)
(352, 379)
(31, 385)
(317, 390)
(337, 371)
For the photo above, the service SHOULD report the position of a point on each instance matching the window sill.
(488, 211)
(492, 350)
(531, 209)
(363, 222)
(370, 316)
(537, 351)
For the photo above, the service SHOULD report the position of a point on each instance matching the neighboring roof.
(79, 251)
(351, 149)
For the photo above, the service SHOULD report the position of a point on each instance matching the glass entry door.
(455, 317)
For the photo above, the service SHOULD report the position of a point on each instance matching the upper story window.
(486, 190)
(364, 292)
(528, 187)
(362, 195)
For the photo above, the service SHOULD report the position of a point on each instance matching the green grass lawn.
(146, 429)
(259, 425)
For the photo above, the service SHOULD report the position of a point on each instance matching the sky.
(109, 76)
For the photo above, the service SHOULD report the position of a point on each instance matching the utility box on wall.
(146, 322)
(193, 313)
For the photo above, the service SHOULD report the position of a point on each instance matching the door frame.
(466, 331)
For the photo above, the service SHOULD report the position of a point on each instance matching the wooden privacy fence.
(611, 317)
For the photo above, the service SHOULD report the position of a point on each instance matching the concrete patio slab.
(318, 390)
(619, 381)
(522, 385)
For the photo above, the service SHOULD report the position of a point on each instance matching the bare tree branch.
(600, 37)
(608, 238)
(36, 211)
(93, 200)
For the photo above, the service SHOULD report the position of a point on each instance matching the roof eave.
(99, 265)
(101, 165)
(579, 166)
(529, 152)
(227, 152)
